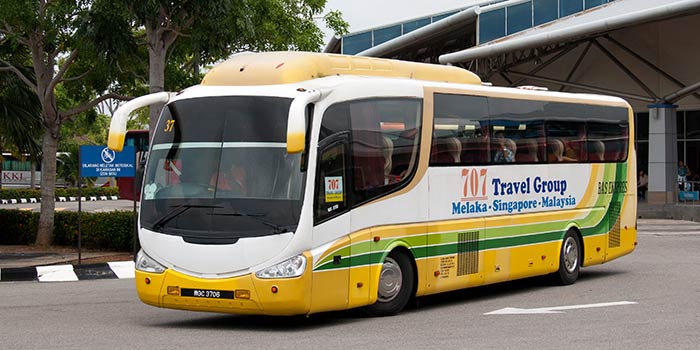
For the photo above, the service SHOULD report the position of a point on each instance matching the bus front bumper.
(239, 295)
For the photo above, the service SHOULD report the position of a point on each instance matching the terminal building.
(639, 50)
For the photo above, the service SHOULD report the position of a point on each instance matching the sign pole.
(80, 209)
(100, 161)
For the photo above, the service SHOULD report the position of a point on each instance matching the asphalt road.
(662, 278)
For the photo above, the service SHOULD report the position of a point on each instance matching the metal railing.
(689, 192)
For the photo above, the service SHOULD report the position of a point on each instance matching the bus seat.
(454, 149)
(403, 151)
(527, 151)
(446, 150)
(475, 150)
(388, 152)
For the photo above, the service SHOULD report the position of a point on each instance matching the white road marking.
(123, 269)
(555, 309)
(56, 273)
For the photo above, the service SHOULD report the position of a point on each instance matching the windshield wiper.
(177, 211)
(257, 217)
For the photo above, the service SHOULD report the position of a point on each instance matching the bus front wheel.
(396, 281)
(569, 259)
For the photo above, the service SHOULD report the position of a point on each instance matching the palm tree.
(20, 121)
(67, 168)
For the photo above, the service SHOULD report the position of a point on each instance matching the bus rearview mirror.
(296, 122)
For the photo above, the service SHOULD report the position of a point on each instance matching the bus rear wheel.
(396, 282)
(569, 259)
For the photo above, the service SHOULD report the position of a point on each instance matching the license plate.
(206, 293)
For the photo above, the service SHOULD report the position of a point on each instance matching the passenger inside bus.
(233, 179)
(528, 151)
(505, 149)
(388, 152)
(556, 152)
(596, 151)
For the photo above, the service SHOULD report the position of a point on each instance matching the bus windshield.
(218, 170)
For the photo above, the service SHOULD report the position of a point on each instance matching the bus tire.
(396, 284)
(569, 259)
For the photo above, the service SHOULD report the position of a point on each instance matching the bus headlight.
(292, 267)
(146, 264)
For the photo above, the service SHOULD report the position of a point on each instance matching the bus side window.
(607, 142)
(385, 136)
(566, 141)
(460, 130)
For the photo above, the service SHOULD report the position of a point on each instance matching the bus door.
(332, 224)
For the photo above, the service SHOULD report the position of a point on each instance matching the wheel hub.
(389, 280)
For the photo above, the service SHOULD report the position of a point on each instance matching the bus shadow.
(509, 288)
(316, 321)
(267, 323)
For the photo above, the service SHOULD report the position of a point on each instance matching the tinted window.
(217, 119)
(565, 141)
(411, 26)
(353, 44)
(568, 7)
(545, 11)
(384, 137)
(492, 25)
(519, 17)
(331, 192)
(386, 34)
(460, 130)
(607, 141)
(501, 130)
(218, 171)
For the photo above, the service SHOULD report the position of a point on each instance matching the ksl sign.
(100, 161)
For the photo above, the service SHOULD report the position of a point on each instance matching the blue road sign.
(100, 161)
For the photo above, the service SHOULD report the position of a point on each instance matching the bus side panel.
(330, 276)
(594, 249)
(515, 251)
(453, 257)
(384, 239)
(622, 238)
(360, 259)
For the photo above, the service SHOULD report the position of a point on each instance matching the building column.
(663, 154)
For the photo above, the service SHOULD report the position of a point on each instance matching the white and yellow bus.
(296, 183)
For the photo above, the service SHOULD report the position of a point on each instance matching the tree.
(68, 42)
(20, 124)
(67, 167)
(205, 31)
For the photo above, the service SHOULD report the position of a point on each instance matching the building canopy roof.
(491, 28)
(612, 16)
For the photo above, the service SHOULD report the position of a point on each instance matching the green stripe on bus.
(595, 223)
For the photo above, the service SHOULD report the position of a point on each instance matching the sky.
(364, 14)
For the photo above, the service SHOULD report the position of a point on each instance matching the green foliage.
(60, 192)
(20, 122)
(87, 128)
(112, 231)
(18, 227)
(67, 168)
(204, 32)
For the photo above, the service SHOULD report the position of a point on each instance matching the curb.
(63, 273)
(60, 199)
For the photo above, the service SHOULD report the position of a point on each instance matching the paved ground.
(650, 301)
(25, 256)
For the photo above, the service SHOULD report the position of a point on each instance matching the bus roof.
(270, 68)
